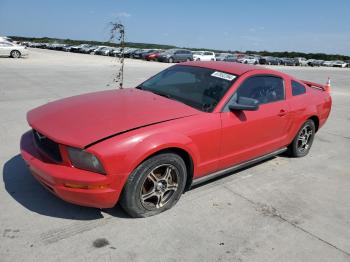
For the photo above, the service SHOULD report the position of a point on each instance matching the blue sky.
(307, 26)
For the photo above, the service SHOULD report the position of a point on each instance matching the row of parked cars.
(180, 55)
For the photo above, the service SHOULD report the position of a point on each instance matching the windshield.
(198, 87)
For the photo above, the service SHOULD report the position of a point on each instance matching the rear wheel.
(155, 185)
(303, 140)
(170, 60)
(15, 54)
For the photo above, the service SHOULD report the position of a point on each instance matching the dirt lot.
(280, 210)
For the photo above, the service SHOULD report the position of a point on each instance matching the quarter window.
(298, 89)
(265, 89)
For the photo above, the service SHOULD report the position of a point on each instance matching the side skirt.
(237, 167)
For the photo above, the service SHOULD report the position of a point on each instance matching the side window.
(298, 89)
(265, 89)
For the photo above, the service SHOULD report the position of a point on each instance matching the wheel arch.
(316, 121)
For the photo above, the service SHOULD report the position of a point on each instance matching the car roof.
(228, 67)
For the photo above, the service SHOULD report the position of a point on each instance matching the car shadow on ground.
(23, 188)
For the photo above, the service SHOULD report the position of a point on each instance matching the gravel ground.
(280, 210)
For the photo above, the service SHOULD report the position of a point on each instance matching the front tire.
(15, 54)
(154, 186)
(303, 140)
(170, 60)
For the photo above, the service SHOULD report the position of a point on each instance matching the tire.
(148, 192)
(170, 60)
(15, 54)
(301, 143)
(189, 59)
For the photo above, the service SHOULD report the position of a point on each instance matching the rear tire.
(155, 185)
(15, 54)
(303, 140)
(170, 60)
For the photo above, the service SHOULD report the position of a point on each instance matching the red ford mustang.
(190, 123)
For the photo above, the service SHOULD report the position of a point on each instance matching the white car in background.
(302, 61)
(327, 63)
(339, 63)
(12, 50)
(248, 60)
(203, 56)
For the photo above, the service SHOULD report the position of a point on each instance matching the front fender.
(158, 142)
(121, 154)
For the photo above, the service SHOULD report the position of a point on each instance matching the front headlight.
(84, 160)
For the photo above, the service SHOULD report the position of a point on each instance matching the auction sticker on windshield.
(223, 75)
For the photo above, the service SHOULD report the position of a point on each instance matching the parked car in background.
(175, 55)
(116, 52)
(302, 61)
(97, 49)
(138, 53)
(288, 61)
(327, 63)
(248, 60)
(129, 52)
(153, 56)
(227, 57)
(143, 147)
(269, 60)
(150, 51)
(339, 63)
(77, 48)
(88, 49)
(314, 62)
(203, 56)
(12, 50)
(67, 48)
(104, 51)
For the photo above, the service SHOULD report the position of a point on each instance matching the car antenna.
(117, 33)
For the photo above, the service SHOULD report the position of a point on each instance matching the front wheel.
(154, 186)
(170, 60)
(15, 54)
(303, 140)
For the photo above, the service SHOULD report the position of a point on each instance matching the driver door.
(250, 134)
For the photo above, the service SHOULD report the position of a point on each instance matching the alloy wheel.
(159, 186)
(304, 139)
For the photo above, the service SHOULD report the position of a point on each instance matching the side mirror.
(245, 103)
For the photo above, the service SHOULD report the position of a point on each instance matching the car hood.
(82, 120)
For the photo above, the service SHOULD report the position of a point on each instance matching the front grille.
(47, 146)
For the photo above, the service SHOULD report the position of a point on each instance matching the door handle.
(282, 112)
